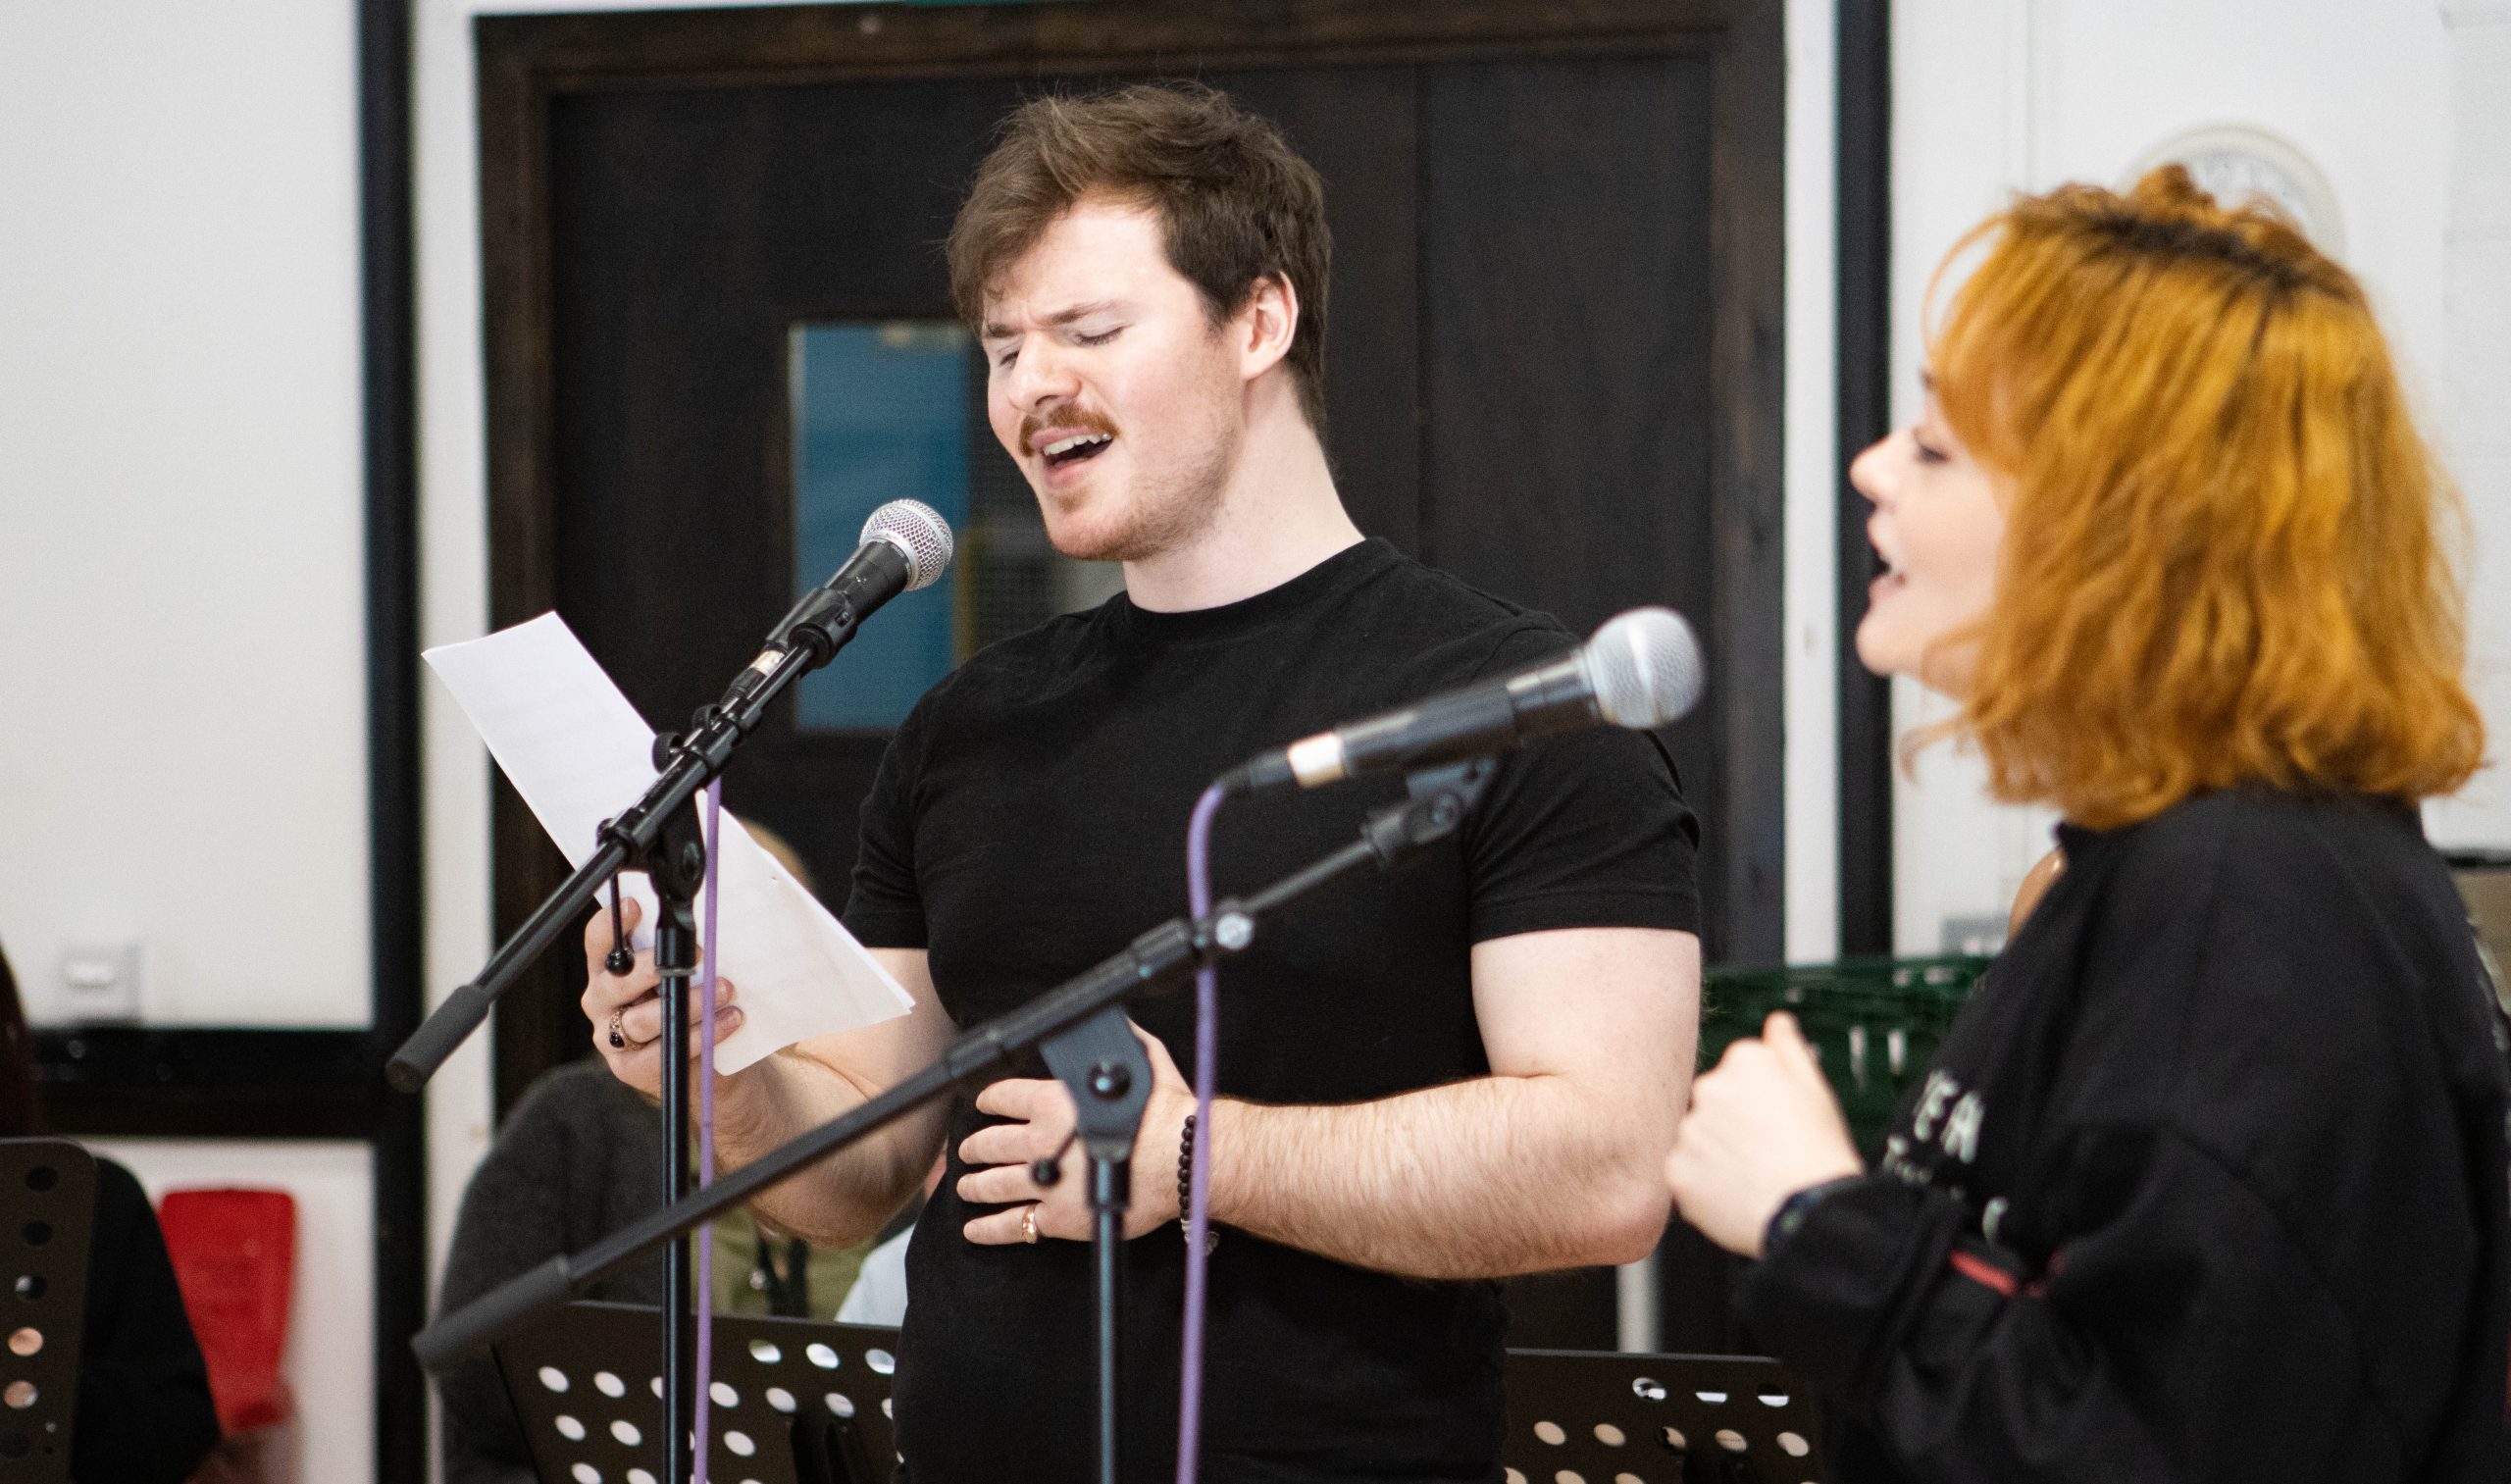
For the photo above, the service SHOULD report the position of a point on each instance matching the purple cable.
(1199, 900)
(706, 1125)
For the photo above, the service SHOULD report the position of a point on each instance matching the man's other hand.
(1041, 1118)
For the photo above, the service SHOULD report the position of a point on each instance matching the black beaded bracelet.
(1186, 1189)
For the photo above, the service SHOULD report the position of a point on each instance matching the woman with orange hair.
(2209, 1180)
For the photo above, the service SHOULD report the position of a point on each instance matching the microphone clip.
(1435, 808)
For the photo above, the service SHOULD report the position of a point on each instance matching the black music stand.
(795, 1401)
(47, 1213)
(1658, 1419)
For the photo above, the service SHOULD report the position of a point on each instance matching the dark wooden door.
(1550, 362)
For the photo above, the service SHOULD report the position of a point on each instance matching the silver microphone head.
(918, 531)
(1645, 668)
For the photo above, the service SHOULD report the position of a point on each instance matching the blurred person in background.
(143, 1413)
(2208, 1180)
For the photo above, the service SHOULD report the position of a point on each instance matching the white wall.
(1995, 95)
(1812, 473)
(2476, 376)
(182, 677)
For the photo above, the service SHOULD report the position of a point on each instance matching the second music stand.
(793, 1400)
(1608, 1419)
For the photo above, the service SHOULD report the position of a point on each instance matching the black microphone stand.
(1079, 1028)
(660, 836)
(675, 864)
(1109, 1074)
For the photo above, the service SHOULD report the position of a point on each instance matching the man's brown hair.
(1236, 205)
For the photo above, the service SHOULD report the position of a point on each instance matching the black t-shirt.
(1030, 818)
(2207, 1182)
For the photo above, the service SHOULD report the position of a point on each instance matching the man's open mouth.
(1075, 449)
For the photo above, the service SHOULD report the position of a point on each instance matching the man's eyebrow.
(990, 331)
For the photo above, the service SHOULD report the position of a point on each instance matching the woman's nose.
(1869, 473)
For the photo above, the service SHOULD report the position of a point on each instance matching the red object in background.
(234, 1253)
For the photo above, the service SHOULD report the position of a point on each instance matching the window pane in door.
(881, 412)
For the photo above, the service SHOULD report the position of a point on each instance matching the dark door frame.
(528, 62)
(388, 241)
(1863, 209)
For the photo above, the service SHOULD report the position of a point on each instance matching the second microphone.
(1642, 669)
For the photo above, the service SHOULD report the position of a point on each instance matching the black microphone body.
(1489, 716)
(1642, 669)
(905, 545)
(877, 572)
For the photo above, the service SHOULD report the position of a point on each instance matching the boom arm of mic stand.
(1159, 959)
(803, 641)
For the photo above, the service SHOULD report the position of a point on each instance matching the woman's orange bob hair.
(2221, 562)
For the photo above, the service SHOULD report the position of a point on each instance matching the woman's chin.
(1879, 650)
(1885, 647)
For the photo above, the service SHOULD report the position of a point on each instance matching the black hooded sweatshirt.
(2207, 1183)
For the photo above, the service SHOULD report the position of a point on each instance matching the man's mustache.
(1080, 419)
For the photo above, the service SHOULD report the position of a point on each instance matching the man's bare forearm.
(841, 1200)
(1482, 1179)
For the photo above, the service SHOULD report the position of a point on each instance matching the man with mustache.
(1427, 1082)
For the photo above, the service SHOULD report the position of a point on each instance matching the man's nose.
(1041, 375)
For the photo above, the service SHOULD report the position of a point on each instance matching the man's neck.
(1277, 516)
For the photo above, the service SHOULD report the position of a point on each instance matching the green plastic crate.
(1875, 1022)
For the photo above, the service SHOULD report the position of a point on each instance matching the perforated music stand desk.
(47, 1214)
(1605, 1419)
(793, 1400)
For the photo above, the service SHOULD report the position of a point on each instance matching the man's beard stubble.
(1163, 513)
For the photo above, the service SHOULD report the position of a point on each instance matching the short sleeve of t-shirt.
(1587, 830)
(885, 910)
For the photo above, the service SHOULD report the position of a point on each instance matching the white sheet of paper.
(579, 753)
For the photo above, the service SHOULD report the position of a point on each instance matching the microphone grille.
(918, 530)
(1645, 667)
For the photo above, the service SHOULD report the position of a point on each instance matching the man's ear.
(1262, 327)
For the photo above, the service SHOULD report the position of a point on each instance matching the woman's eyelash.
(1926, 454)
